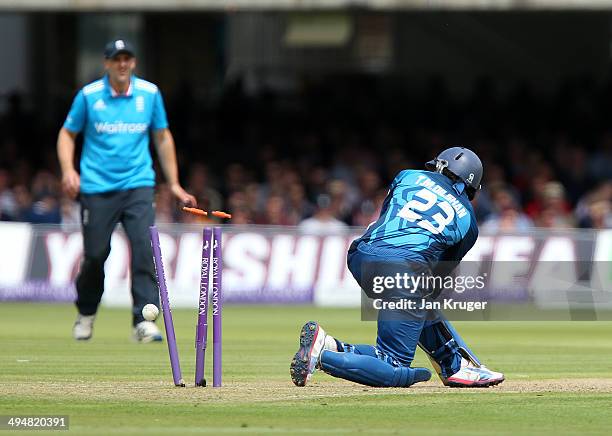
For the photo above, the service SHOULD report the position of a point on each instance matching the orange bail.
(196, 211)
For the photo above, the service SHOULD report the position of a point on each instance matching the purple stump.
(165, 304)
(217, 304)
(202, 326)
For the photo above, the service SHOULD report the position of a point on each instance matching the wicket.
(165, 304)
(217, 304)
(202, 326)
(210, 280)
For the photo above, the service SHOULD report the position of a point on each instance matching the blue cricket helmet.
(459, 164)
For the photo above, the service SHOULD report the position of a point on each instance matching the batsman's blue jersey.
(423, 219)
(116, 129)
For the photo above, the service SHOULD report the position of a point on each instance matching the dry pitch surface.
(559, 378)
(254, 392)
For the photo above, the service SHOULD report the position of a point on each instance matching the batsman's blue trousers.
(400, 332)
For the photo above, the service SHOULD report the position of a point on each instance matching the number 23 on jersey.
(422, 201)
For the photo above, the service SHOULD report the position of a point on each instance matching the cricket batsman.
(427, 223)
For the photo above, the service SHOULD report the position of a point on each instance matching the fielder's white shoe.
(312, 343)
(471, 376)
(83, 327)
(146, 331)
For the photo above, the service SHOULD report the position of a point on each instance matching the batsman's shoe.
(471, 376)
(83, 327)
(146, 331)
(306, 360)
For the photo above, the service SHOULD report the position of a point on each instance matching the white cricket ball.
(150, 312)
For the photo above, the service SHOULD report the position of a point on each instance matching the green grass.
(559, 378)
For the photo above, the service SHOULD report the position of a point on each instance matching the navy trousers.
(100, 214)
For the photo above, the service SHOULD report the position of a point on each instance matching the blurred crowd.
(322, 156)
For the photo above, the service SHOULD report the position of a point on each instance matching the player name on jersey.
(426, 182)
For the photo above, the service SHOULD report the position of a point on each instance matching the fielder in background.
(418, 230)
(116, 180)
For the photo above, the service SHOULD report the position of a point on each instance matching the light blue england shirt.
(116, 128)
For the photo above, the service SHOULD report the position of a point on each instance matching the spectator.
(543, 190)
(593, 210)
(23, 200)
(347, 138)
(506, 214)
(44, 210)
(275, 213)
(600, 215)
(340, 200)
(254, 200)
(240, 208)
(323, 221)
(555, 211)
(298, 206)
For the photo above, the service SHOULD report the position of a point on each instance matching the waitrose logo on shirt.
(120, 127)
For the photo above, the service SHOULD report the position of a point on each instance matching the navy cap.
(117, 47)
